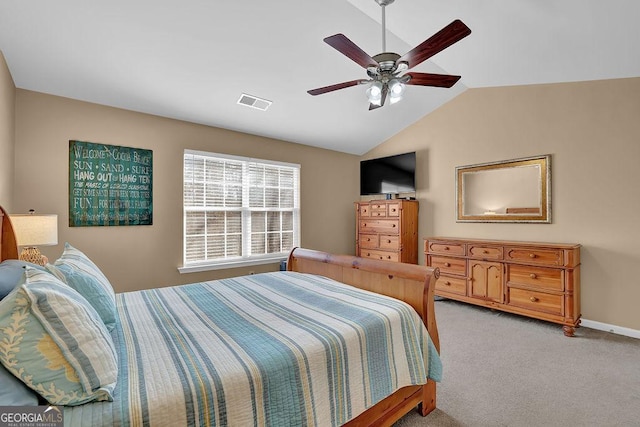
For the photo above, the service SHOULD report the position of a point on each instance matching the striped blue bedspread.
(273, 349)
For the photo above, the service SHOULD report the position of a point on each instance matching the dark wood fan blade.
(342, 44)
(385, 91)
(441, 40)
(427, 79)
(321, 90)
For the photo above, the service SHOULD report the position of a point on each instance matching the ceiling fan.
(387, 69)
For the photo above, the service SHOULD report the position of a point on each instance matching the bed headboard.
(8, 242)
(411, 283)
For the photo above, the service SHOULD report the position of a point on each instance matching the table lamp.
(34, 230)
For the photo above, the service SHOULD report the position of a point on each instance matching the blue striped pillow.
(53, 340)
(85, 277)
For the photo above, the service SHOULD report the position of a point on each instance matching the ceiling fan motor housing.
(387, 67)
(387, 61)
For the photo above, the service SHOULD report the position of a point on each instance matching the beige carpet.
(507, 370)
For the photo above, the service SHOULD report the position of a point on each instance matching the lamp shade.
(35, 229)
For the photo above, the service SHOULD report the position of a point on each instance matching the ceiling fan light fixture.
(396, 87)
(374, 93)
(396, 90)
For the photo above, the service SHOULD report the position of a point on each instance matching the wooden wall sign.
(109, 185)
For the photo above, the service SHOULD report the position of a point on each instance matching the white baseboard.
(633, 333)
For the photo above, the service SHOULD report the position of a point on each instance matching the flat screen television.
(388, 175)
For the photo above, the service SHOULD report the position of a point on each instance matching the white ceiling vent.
(254, 102)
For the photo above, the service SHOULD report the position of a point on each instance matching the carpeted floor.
(507, 370)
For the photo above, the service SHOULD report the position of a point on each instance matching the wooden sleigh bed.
(412, 284)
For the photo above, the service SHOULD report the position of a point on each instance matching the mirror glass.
(517, 190)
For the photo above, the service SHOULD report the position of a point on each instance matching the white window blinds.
(238, 208)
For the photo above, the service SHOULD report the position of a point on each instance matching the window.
(238, 210)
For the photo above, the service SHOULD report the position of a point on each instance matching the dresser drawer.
(553, 257)
(383, 255)
(365, 210)
(382, 213)
(389, 242)
(389, 226)
(485, 252)
(454, 285)
(393, 209)
(447, 265)
(369, 241)
(446, 248)
(537, 301)
(378, 206)
(539, 277)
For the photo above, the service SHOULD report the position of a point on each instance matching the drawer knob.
(485, 251)
(533, 299)
(368, 240)
(393, 225)
(532, 255)
(393, 210)
(446, 264)
(447, 283)
(533, 276)
(388, 241)
(446, 248)
(388, 256)
(368, 254)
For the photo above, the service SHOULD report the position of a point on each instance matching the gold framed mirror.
(517, 190)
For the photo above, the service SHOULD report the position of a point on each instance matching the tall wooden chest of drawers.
(539, 280)
(387, 230)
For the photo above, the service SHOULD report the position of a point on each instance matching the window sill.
(196, 268)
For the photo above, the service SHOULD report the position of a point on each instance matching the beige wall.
(590, 128)
(592, 131)
(138, 257)
(7, 134)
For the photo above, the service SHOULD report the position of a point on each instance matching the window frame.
(246, 230)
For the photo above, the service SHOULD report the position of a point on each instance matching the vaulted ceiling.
(191, 60)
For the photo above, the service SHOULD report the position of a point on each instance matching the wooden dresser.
(539, 280)
(388, 230)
